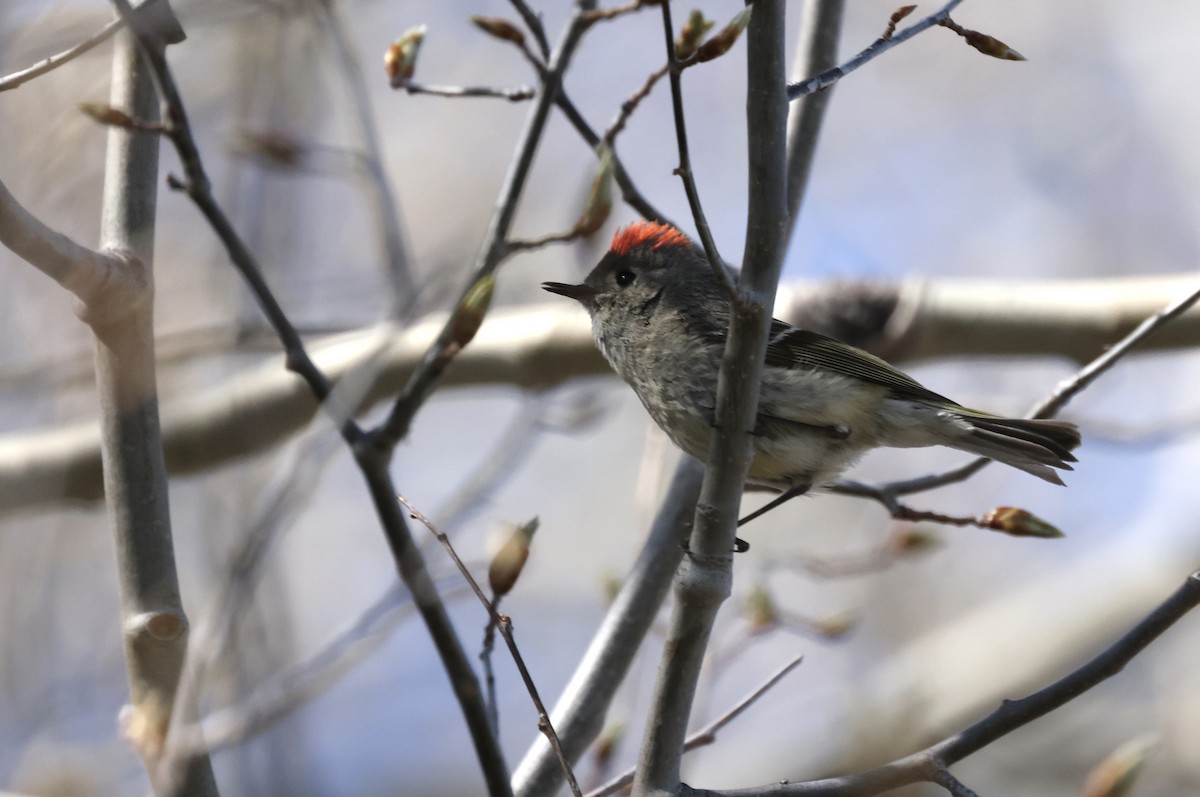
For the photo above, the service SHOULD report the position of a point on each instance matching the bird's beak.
(581, 293)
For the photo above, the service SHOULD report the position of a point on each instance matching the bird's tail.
(1034, 446)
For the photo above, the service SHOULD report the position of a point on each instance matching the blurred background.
(934, 162)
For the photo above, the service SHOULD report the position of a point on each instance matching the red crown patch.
(647, 232)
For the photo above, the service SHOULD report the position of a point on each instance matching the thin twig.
(584, 702)
(199, 189)
(952, 784)
(605, 14)
(534, 22)
(684, 170)
(529, 244)
(504, 626)
(489, 673)
(427, 376)
(929, 764)
(55, 61)
(708, 734)
(629, 192)
(518, 94)
(705, 580)
(630, 105)
(879, 47)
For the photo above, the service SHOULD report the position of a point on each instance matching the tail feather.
(1058, 437)
(1034, 446)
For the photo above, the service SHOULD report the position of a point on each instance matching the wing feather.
(792, 347)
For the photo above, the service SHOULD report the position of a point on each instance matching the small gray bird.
(660, 317)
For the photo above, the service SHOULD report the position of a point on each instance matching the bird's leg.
(799, 489)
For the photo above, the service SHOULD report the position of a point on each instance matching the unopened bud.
(721, 43)
(471, 311)
(509, 561)
(500, 28)
(1019, 523)
(400, 60)
(692, 33)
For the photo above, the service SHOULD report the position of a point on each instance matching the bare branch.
(930, 764)
(580, 711)
(881, 45)
(518, 94)
(429, 374)
(504, 625)
(88, 274)
(708, 734)
(55, 61)
(534, 22)
(684, 170)
(542, 346)
(705, 579)
(372, 462)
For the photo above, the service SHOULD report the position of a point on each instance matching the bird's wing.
(792, 347)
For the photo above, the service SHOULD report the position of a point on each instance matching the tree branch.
(53, 62)
(154, 625)
(928, 764)
(827, 78)
(372, 462)
(581, 709)
(684, 169)
(429, 373)
(541, 346)
(706, 577)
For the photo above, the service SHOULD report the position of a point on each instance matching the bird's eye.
(625, 277)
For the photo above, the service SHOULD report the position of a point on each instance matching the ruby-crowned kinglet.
(660, 317)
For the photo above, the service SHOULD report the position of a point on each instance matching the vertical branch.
(135, 481)
(820, 28)
(579, 715)
(705, 580)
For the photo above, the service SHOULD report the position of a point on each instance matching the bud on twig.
(897, 15)
(471, 311)
(693, 32)
(502, 29)
(400, 60)
(599, 201)
(721, 43)
(508, 562)
(988, 45)
(1019, 523)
